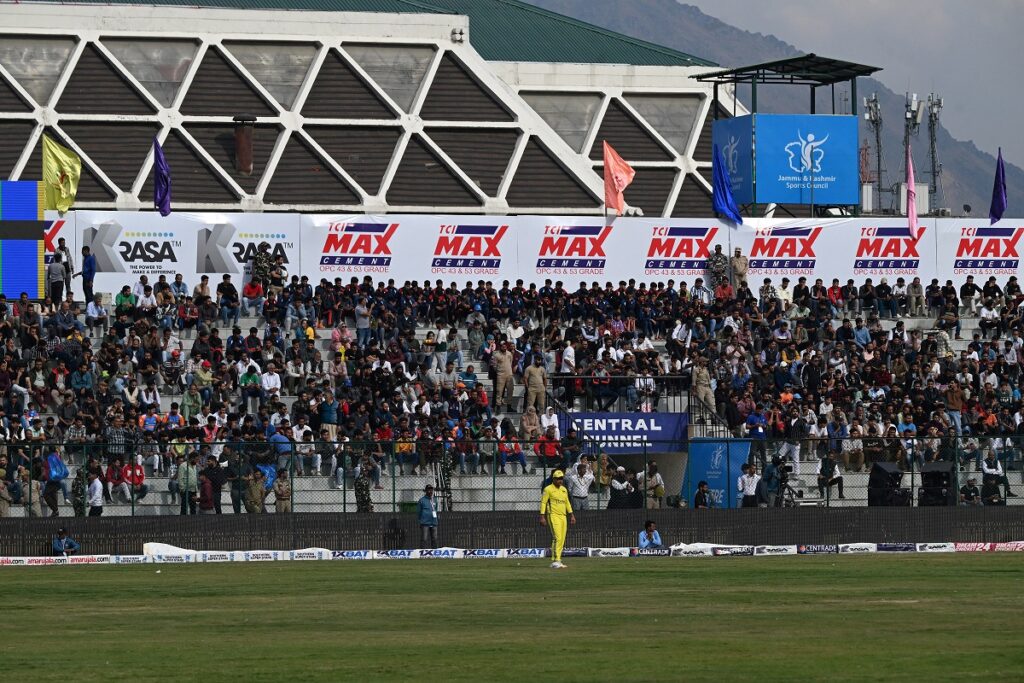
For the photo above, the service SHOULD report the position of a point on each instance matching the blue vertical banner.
(735, 141)
(719, 463)
(806, 159)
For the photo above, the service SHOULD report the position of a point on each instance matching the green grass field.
(918, 617)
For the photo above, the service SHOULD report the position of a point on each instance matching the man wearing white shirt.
(96, 314)
(578, 482)
(785, 295)
(515, 331)
(568, 359)
(95, 495)
(746, 486)
(270, 382)
(140, 287)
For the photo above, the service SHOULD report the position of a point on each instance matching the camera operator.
(771, 483)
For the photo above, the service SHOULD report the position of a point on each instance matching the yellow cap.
(559, 474)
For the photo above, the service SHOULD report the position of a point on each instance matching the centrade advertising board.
(128, 245)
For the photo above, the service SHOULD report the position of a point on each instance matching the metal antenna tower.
(934, 107)
(873, 115)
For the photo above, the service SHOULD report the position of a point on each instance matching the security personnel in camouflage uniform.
(262, 262)
(78, 490)
(718, 266)
(447, 466)
(362, 488)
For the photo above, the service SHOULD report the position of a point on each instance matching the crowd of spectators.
(422, 375)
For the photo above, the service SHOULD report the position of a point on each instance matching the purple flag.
(161, 180)
(998, 207)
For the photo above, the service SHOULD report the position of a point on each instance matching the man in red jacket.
(547, 449)
(134, 478)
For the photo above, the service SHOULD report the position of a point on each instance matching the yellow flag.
(61, 170)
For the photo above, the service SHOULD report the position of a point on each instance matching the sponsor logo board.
(729, 550)
(817, 549)
(775, 550)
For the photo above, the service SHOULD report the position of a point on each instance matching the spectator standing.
(746, 486)
(205, 495)
(427, 514)
(578, 481)
(188, 485)
(95, 495)
(702, 499)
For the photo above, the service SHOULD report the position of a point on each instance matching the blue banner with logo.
(735, 140)
(625, 433)
(718, 463)
(806, 159)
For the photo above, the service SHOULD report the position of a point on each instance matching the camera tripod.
(787, 494)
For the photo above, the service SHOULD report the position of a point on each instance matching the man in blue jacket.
(64, 545)
(649, 537)
(426, 509)
(88, 273)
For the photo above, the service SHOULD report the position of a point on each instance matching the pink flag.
(911, 198)
(617, 177)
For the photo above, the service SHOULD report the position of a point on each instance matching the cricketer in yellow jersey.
(554, 506)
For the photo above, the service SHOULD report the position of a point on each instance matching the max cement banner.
(535, 248)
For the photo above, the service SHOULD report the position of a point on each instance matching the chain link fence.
(484, 474)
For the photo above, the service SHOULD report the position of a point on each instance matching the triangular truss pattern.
(482, 154)
(397, 69)
(569, 114)
(218, 90)
(422, 179)
(650, 189)
(694, 198)
(159, 64)
(363, 151)
(672, 116)
(218, 139)
(96, 87)
(36, 62)
(454, 83)
(13, 135)
(627, 136)
(702, 151)
(119, 149)
(541, 181)
(192, 179)
(10, 100)
(90, 187)
(339, 93)
(302, 177)
(279, 67)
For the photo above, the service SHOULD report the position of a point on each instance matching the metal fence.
(611, 528)
(478, 475)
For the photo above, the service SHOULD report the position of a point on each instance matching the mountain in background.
(967, 171)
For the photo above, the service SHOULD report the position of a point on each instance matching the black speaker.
(884, 485)
(937, 485)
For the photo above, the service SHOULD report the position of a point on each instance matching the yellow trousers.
(557, 524)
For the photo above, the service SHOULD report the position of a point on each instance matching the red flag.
(617, 177)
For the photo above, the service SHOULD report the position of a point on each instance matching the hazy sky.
(967, 52)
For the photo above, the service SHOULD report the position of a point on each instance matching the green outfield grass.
(920, 617)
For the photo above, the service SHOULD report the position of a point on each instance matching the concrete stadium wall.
(126, 535)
